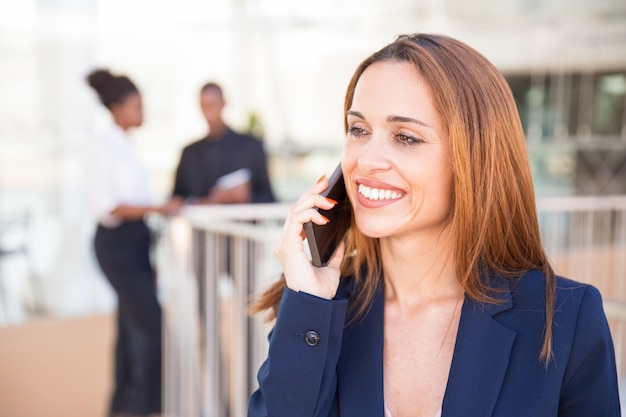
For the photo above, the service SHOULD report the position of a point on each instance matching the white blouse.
(115, 176)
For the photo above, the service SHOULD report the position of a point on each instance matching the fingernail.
(330, 200)
(325, 219)
(321, 178)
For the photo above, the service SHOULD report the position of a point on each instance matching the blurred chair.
(14, 232)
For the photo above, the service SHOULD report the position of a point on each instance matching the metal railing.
(213, 260)
(585, 238)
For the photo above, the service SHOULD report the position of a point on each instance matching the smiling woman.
(441, 301)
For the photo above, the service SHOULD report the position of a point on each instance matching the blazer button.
(312, 338)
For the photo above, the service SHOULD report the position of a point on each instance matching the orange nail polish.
(326, 219)
(330, 200)
(321, 179)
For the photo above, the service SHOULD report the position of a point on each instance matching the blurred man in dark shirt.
(225, 167)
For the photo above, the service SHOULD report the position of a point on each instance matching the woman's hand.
(170, 207)
(300, 274)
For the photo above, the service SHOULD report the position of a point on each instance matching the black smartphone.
(324, 239)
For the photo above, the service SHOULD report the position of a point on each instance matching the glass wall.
(575, 124)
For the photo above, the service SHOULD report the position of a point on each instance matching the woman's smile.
(376, 194)
(373, 194)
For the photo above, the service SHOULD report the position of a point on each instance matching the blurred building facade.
(287, 64)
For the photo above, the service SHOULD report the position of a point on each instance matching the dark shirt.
(204, 161)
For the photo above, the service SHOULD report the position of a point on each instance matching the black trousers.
(124, 257)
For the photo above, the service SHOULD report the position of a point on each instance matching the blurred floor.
(56, 367)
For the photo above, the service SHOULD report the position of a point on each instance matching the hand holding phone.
(324, 239)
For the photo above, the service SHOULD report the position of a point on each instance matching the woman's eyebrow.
(392, 119)
(403, 119)
(355, 114)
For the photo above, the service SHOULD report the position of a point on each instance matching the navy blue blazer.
(495, 371)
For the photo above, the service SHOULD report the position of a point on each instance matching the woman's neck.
(419, 270)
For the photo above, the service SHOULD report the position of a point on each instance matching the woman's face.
(129, 112)
(396, 163)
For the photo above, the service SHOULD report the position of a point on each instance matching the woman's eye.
(356, 132)
(407, 140)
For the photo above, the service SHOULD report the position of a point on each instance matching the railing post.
(239, 360)
(178, 288)
(215, 254)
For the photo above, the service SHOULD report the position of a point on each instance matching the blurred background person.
(224, 167)
(119, 195)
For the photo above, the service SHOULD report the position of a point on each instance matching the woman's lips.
(376, 194)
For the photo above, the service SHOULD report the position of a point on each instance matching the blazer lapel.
(360, 368)
(480, 360)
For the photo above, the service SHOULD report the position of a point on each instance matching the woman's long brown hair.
(493, 217)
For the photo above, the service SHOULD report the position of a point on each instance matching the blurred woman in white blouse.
(120, 198)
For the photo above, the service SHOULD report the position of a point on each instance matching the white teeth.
(377, 194)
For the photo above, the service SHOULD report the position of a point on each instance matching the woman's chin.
(372, 228)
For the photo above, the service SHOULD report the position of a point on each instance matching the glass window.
(608, 104)
(574, 104)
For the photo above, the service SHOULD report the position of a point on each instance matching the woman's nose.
(374, 155)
